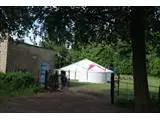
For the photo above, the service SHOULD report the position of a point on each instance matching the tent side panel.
(97, 77)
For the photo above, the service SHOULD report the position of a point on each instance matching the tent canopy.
(85, 65)
(87, 71)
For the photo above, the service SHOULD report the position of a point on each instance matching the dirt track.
(61, 102)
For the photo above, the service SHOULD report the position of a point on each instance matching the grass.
(8, 90)
(126, 92)
(84, 85)
(126, 86)
(126, 82)
(100, 88)
(4, 94)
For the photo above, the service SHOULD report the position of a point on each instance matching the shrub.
(2, 76)
(19, 80)
(18, 83)
(36, 87)
(2, 86)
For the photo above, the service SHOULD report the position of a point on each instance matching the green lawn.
(125, 88)
(93, 86)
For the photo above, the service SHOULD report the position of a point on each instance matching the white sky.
(27, 40)
(30, 38)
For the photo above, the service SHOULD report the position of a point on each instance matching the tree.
(139, 60)
(110, 24)
(19, 21)
(62, 56)
(103, 54)
(83, 25)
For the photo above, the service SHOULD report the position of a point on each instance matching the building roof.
(18, 42)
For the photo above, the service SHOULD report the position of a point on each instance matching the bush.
(19, 80)
(2, 76)
(36, 87)
(18, 83)
(2, 85)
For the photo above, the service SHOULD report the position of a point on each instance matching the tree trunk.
(139, 60)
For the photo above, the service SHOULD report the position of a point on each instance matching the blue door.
(44, 67)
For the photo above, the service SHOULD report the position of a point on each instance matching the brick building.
(24, 57)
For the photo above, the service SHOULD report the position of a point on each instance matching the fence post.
(55, 78)
(118, 80)
(159, 95)
(112, 88)
(59, 81)
(46, 79)
(68, 79)
(63, 78)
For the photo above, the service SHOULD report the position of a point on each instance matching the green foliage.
(2, 85)
(104, 54)
(109, 28)
(2, 76)
(119, 54)
(85, 24)
(46, 43)
(19, 80)
(62, 56)
(18, 83)
(18, 20)
(154, 66)
(153, 60)
(126, 88)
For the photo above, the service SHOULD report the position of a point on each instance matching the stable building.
(19, 56)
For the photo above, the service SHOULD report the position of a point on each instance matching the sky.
(31, 34)
(28, 41)
(30, 38)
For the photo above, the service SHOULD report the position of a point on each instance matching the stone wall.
(3, 54)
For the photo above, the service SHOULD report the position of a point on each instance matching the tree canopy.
(122, 29)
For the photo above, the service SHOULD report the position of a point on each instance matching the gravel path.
(62, 102)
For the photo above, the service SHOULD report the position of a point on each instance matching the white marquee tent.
(87, 71)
